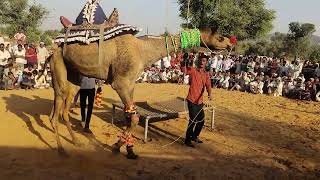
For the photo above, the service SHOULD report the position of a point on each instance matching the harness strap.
(167, 45)
(173, 43)
(101, 39)
(64, 50)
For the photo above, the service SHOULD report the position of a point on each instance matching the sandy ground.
(256, 137)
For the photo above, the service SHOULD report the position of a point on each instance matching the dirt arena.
(256, 137)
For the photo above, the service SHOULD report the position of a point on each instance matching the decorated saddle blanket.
(92, 14)
(88, 36)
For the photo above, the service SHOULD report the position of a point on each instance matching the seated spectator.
(49, 78)
(163, 76)
(256, 87)
(40, 81)
(225, 82)
(244, 82)
(9, 81)
(29, 69)
(279, 89)
(26, 82)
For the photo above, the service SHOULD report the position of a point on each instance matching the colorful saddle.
(92, 25)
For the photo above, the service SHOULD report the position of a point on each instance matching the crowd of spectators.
(22, 65)
(254, 74)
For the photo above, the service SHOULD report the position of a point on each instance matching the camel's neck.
(153, 49)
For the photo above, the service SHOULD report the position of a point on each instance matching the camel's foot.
(52, 125)
(62, 152)
(131, 154)
(116, 148)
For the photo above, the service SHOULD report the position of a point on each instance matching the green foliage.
(298, 39)
(48, 36)
(243, 18)
(294, 44)
(315, 53)
(20, 15)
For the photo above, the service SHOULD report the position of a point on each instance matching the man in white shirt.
(219, 64)
(43, 54)
(317, 70)
(20, 56)
(4, 56)
(213, 62)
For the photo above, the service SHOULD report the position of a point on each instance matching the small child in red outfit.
(98, 97)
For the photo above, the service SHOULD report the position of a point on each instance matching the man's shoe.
(197, 140)
(189, 144)
(131, 154)
(87, 130)
(116, 148)
(83, 124)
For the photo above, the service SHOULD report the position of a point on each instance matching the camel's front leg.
(124, 89)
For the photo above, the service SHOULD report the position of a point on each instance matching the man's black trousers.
(196, 121)
(84, 95)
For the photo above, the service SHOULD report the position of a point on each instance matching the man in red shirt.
(31, 56)
(199, 81)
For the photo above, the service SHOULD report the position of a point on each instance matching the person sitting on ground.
(49, 78)
(98, 98)
(256, 87)
(225, 82)
(26, 81)
(236, 82)
(40, 80)
(279, 89)
(9, 80)
(244, 82)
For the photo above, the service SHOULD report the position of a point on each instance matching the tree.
(16, 15)
(49, 35)
(298, 39)
(315, 53)
(243, 18)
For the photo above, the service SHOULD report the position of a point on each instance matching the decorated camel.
(119, 60)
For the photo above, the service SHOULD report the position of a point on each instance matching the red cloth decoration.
(233, 40)
(65, 22)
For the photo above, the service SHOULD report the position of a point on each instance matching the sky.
(155, 15)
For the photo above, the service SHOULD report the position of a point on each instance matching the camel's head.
(212, 39)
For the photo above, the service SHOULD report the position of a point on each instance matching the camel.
(124, 59)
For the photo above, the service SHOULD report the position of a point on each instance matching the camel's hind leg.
(71, 93)
(58, 103)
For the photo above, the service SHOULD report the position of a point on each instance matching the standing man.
(20, 55)
(31, 56)
(4, 56)
(87, 91)
(43, 54)
(199, 81)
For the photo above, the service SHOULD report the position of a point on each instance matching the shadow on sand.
(28, 163)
